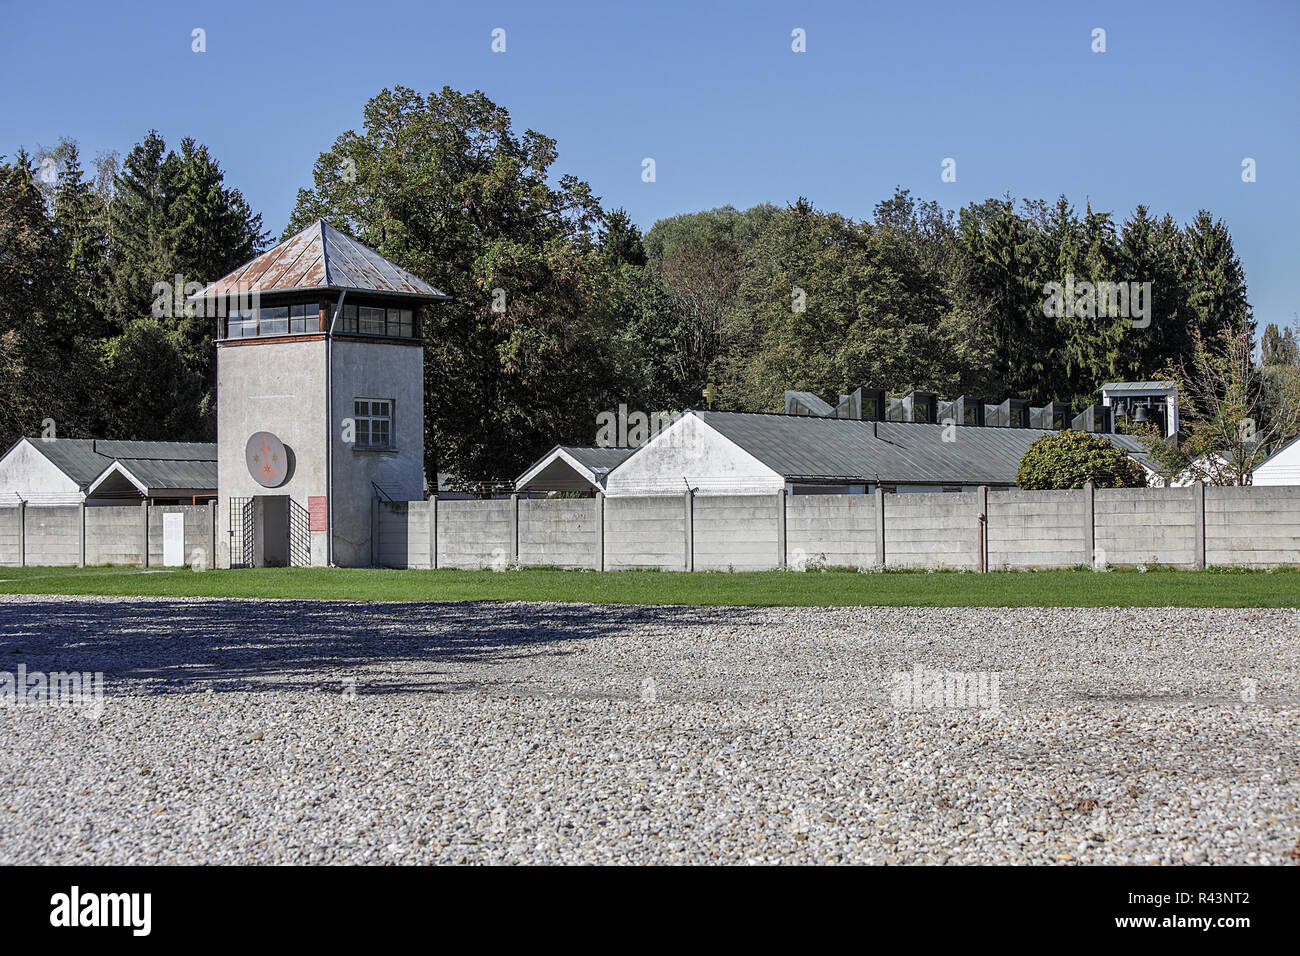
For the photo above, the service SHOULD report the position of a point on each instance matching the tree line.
(563, 309)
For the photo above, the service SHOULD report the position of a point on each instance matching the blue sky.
(714, 93)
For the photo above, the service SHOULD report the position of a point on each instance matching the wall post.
(780, 529)
(81, 533)
(600, 530)
(212, 534)
(1090, 525)
(374, 531)
(688, 504)
(1198, 499)
(144, 533)
(433, 533)
(514, 529)
(880, 527)
(22, 533)
(983, 562)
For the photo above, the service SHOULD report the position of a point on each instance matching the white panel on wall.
(173, 539)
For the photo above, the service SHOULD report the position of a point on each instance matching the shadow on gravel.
(161, 646)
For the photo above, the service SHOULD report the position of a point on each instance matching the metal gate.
(242, 530)
(299, 535)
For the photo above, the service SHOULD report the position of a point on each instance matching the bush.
(1070, 459)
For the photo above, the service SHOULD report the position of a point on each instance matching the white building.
(69, 471)
(1280, 468)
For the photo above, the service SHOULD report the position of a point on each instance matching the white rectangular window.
(374, 422)
(371, 320)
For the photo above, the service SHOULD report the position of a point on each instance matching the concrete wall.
(1038, 529)
(559, 532)
(736, 532)
(1252, 527)
(10, 522)
(830, 530)
(1247, 527)
(474, 534)
(645, 533)
(199, 532)
(115, 535)
(405, 530)
(1146, 526)
(52, 535)
(932, 530)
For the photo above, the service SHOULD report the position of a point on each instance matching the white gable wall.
(1282, 469)
(690, 453)
(27, 474)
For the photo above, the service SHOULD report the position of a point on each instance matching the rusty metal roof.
(321, 257)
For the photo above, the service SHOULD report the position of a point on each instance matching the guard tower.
(320, 399)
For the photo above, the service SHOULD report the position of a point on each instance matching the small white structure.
(1280, 468)
(1137, 401)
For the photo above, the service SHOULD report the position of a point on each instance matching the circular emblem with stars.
(267, 460)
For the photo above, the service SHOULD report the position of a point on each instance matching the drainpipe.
(329, 431)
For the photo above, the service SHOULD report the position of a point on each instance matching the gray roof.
(592, 457)
(158, 464)
(1138, 387)
(841, 449)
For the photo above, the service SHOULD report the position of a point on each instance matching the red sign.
(317, 513)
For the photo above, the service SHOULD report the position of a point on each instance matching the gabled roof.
(321, 258)
(590, 462)
(152, 476)
(840, 449)
(85, 459)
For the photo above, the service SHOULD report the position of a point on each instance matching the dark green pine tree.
(1151, 250)
(1215, 280)
(172, 215)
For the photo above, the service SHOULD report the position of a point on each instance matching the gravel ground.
(312, 732)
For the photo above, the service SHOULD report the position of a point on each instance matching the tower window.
(374, 422)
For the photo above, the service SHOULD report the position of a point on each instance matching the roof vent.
(1054, 416)
(1013, 413)
(806, 403)
(968, 410)
(1094, 418)
(921, 407)
(862, 404)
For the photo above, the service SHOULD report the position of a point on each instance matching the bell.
(1141, 416)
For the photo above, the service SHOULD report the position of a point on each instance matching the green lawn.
(1076, 588)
